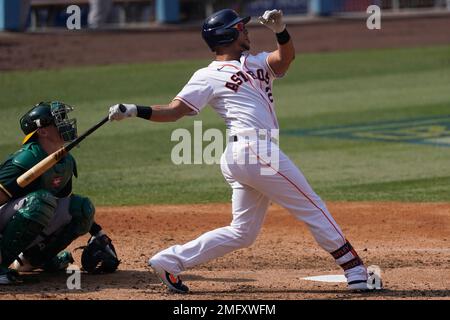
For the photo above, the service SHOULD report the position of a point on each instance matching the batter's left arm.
(158, 113)
(280, 59)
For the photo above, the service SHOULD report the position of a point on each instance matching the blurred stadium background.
(36, 14)
(387, 90)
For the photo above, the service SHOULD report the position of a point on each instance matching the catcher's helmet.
(218, 28)
(47, 113)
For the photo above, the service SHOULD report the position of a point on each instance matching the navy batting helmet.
(218, 27)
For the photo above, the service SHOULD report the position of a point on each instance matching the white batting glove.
(273, 19)
(121, 111)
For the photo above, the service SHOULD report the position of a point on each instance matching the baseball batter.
(238, 85)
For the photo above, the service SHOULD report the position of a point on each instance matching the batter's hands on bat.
(121, 111)
(273, 19)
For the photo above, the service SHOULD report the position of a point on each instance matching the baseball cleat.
(358, 285)
(372, 283)
(21, 264)
(172, 281)
(59, 263)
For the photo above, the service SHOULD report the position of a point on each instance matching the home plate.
(328, 278)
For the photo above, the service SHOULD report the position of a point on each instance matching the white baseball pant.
(252, 193)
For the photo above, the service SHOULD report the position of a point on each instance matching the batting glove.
(273, 19)
(121, 111)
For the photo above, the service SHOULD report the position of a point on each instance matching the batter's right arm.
(158, 113)
(280, 59)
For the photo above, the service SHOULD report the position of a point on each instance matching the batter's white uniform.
(241, 93)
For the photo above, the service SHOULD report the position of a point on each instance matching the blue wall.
(167, 11)
(9, 15)
(257, 8)
(326, 7)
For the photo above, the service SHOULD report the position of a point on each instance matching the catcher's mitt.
(99, 256)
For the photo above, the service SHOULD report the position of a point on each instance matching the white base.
(334, 278)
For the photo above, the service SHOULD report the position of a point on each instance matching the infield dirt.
(408, 241)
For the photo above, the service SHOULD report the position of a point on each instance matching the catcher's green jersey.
(57, 180)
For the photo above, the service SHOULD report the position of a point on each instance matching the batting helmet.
(218, 28)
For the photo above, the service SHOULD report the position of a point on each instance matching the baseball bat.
(38, 169)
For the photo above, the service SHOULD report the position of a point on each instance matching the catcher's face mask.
(67, 128)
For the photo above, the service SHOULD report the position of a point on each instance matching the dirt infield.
(409, 241)
(75, 48)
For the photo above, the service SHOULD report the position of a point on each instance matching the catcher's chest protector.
(53, 180)
(59, 175)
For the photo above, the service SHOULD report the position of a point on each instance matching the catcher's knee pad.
(82, 210)
(38, 206)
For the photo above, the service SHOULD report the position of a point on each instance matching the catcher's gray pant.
(254, 185)
(61, 218)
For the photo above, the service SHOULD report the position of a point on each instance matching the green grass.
(129, 162)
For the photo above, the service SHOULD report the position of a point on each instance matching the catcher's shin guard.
(59, 262)
(44, 253)
(18, 234)
(33, 215)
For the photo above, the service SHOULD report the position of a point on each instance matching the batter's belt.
(261, 136)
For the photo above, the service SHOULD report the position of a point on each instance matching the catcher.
(39, 221)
